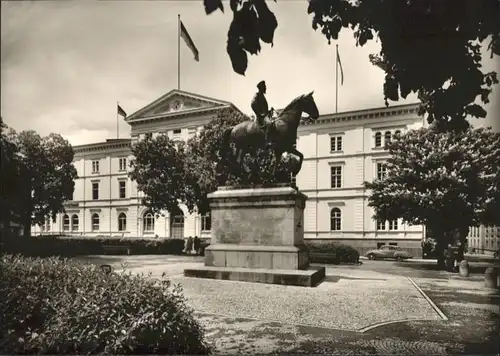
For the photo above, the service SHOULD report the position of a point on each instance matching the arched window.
(335, 219)
(387, 137)
(148, 222)
(206, 222)
(177, 224)
(378, 139)
(74, 222)
(122, 222)
(95, 222)
(66, 222)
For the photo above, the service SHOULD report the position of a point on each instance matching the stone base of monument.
(301, 278)
(258, 236)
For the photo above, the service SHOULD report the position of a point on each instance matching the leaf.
(391, 88)
(267, 21)
(475, 110)
(212, 5)
(238, 56)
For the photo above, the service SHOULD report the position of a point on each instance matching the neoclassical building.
(341, 152)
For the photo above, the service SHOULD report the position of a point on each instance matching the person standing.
(196, 244)
(189, 245)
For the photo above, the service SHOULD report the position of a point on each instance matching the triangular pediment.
(176, 101)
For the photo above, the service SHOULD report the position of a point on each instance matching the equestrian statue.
(280, 133)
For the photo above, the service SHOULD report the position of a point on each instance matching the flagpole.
(117, 121)
(337, 80)
(178, 51)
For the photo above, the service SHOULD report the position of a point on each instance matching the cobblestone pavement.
(472, 326)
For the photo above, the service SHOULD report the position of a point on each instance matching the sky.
(65, 64)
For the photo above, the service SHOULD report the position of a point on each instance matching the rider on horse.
(261, 109)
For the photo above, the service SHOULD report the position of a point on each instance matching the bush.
(332, 252)
(52, 306)
(68, 246)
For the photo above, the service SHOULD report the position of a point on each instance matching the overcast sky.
(65, 64)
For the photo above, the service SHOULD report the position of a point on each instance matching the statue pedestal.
(258, 236)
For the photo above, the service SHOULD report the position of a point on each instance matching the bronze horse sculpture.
(247, 136)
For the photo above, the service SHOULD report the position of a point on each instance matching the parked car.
(388, 251)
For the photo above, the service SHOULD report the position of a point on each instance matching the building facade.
(484, 239)
(341, 151)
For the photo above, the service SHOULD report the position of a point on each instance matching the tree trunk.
(462, 236)
(442, 241)
(26, 223)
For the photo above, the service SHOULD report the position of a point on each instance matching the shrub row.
(52, 306)
(68, 246)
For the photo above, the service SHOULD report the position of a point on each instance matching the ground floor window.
(122, 222)
(74, 223)
(95, 222)
(206, 222)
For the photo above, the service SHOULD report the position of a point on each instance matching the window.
(336, 143)
(74, 222)
(380, 245)
(95, 222)
(378, 139)
(335, 219)
(177, 131)
(122, 222)
(395, 244)
(148, 222)
(47, 224)
(380, 225)
(387, 137)
(393, 224)
(381, 171)
(177, 224)
(122, 188)
(95, 166)
(95, 190)
(206, 222)
(398, 132)
(66, 222)
(122, 162)
(336, 176)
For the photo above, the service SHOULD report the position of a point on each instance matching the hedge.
(332, 252)
(328, 252)
(68, 246)
(52, 306)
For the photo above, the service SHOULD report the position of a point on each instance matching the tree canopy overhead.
(428, 47)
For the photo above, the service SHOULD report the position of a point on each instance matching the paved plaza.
(367, 309)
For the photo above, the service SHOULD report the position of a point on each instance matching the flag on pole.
(189, 42)
(341, 70)
(121, 111)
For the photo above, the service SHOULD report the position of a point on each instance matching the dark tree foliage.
(429, 47)
(445, 181)
(170, 173)
(158, 169)
(207, 170)
(37, 176)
